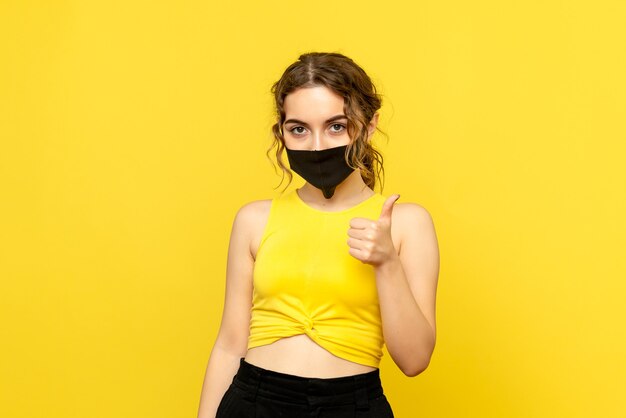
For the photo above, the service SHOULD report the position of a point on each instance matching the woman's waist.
(299, 355)
(252, 381)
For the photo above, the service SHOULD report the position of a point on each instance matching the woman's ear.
(371, 127)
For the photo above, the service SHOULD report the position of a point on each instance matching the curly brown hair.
(361, 101)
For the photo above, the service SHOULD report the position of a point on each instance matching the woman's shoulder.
(260, 209)
(254, 210)
(410, 215)
(411, 208)
(252, 218)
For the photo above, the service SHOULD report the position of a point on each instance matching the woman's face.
(314, 119)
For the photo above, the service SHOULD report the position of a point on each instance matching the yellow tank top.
(306, 281)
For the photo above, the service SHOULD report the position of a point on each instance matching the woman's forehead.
(313, 103)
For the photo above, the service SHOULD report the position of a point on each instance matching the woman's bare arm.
(406, 278)
(232, 338)
(407, 287)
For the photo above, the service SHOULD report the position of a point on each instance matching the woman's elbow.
(415, 368)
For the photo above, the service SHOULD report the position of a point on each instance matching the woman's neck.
(348, 193)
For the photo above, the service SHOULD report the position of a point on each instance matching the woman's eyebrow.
(334, 118)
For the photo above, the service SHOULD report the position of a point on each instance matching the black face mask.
(324, 169)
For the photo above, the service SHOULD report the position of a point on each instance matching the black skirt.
(259, 393)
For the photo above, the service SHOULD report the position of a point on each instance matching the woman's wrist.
(389, 266)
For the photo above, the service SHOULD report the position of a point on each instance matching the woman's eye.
(338, 126)
(294, 130)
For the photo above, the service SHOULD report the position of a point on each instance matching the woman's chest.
(314, 263)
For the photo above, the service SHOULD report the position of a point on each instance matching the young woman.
(321, 277)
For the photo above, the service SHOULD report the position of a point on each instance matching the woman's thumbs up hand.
(370, 240)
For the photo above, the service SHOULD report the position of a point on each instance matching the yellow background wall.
(131, 132)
